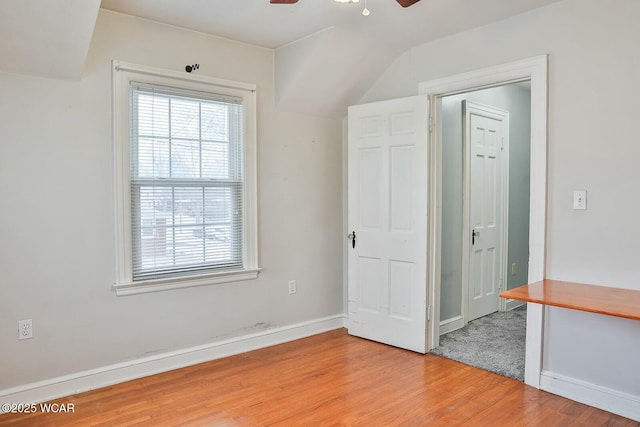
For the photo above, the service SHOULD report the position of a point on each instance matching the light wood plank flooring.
(328, 379)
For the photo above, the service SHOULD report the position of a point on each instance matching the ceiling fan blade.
(283, 1)
(407, 3)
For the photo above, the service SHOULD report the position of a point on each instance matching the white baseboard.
(450, 325)
(79, 382)
(514, 303)
(617, 402)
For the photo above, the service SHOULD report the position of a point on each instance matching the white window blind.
(186, 182)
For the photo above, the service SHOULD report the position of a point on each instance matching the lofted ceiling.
(46, 38)
(326, 54)
(275, 25)
(255, 22)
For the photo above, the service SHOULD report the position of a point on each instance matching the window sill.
(157, 285)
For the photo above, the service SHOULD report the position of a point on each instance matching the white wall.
(516, 99)
(592, 145)
(611, 359)
(57, 227)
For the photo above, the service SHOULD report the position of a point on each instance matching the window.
(185, 172)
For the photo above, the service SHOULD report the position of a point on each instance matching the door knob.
(352, 237)
(474, 234)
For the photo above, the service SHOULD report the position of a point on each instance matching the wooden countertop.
(577, 296)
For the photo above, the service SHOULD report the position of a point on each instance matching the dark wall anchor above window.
(190, 68)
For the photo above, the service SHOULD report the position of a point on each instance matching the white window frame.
(123, 74)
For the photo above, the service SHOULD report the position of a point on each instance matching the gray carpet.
(495, 343)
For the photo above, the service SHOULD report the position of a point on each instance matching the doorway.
(485, 200)
(486, 139)
(535, 71)
(429, 178)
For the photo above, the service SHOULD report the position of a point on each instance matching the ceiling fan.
(403, 3)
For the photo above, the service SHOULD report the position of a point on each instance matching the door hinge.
(500, 285)
(428, 312)
(430, 124)
(502, 145)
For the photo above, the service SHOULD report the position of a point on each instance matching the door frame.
(533, 70)
(466, 205)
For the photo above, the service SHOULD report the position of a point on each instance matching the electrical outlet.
(580, 199)
(293, 287)
(25, 329)
(513, 269)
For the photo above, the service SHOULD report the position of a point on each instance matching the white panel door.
(485, 130)
(387, 249)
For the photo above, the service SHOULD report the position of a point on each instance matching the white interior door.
(387, 193)
(485, 139)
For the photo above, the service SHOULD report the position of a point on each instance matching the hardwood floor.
(327, 379)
